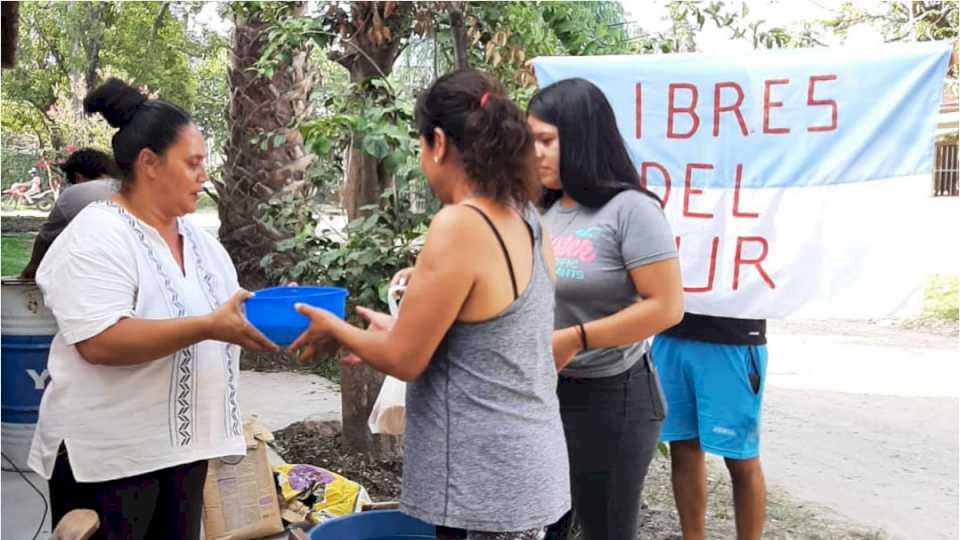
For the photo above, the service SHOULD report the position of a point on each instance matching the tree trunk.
(100, 17)
(260, 110)
(368, 54)
(459, 33)
(362, 187)
(366, 60)
(10, 17)
(359, 387)
(54, 130)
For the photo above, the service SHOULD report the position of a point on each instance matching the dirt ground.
(318, 443)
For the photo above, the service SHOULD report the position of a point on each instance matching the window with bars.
(945, 171)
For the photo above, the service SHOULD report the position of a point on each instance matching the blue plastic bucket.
(271, 310)
(27, 329)
(374, 525)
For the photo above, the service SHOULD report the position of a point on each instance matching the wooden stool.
(77, 525)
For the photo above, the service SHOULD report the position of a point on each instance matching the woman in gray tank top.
(485, 455)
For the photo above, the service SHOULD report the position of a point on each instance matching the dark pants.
(612, 426)
(164, 504)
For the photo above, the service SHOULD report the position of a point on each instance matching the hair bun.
(115, 100)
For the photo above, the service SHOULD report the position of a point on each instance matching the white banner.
(793, 180)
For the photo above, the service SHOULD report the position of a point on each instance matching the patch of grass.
(942, 299)
(15, 253)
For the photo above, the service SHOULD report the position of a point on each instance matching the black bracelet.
(583, 336)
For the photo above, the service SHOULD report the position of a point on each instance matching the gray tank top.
(484, 448)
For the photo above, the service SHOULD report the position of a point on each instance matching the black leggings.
(164, 504)
(612, 425)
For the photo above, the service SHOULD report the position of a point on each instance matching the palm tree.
(264, 153)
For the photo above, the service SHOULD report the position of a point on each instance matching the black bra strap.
(503, 246)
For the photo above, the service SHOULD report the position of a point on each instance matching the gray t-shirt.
(595, 249)
(71, 201)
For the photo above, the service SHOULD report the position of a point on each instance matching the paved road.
(866, 423)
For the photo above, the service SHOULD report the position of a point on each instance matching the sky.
(652, 16)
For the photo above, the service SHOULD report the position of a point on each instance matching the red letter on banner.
(767, 105)
(691, 110)
(736, 196)
(639, 116)
(822, 102)
(689, 190)
(663, 171)
(711, 273)
(739, 261)
(735, 108)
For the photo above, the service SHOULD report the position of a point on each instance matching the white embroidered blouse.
(118, 422)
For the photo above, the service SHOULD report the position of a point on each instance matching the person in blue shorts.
(713, 371)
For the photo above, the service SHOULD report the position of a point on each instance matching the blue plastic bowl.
(271, 310)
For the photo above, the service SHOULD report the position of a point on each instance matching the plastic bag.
(389, 415)
(326, 494)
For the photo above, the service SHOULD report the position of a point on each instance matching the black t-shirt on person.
(725, 330)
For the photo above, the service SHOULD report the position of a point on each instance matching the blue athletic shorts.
(713, 393)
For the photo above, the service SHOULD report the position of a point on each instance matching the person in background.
(93, 176)
(484, 455)
(713, 371)
(144, 364)
(618, 283)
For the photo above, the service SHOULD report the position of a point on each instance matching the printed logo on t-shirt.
(573, 251)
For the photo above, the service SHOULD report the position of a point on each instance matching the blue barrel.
(27, 329)
(374, 525)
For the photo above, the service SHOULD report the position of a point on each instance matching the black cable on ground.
(29, 483)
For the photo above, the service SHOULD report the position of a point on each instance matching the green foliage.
(63, 45)
(150, 47)
(588, 28)
(663, 449)
(369, 112)
(212, 91)
(503, 36)
(17, 159)
(943, 298)
(507, 35)
(899, 20)
(362, 260)
(42, 69)
(896, 20)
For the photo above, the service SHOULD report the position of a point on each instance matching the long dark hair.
(488, 129)
(141, 122)
(594, 163)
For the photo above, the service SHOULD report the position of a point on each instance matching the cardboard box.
(240, 498)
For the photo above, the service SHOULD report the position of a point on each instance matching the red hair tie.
(484, 98)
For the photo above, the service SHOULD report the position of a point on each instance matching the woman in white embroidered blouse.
(144, 366)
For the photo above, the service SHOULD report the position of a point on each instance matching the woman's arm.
(661, 307)
(136, 341)
(430, 306)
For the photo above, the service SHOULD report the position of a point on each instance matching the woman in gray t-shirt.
(618, 283)
(484, 455)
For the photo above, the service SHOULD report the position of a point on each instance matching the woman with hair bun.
(484, 454)
(143, 368)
